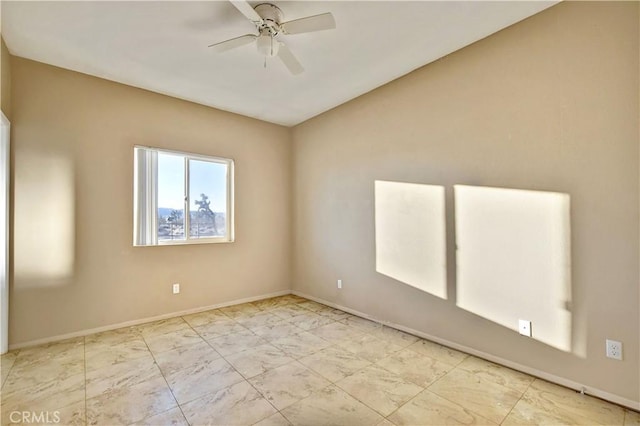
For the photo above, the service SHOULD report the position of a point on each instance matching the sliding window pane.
(170, 197)
(208, 199)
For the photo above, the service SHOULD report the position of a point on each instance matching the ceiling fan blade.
(289, 60)
(246, 9)
(309, 24)
(223, 46)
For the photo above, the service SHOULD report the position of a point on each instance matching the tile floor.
(279, 361)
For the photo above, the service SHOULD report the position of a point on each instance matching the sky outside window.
(205, 177)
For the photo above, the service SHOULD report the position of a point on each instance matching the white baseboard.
(607, 396)
(143, 320)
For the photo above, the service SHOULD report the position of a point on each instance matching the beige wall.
(74, 264)
(5, 79)
(550, 104)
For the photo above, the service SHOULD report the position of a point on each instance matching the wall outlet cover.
(614, 349)
(524, 327)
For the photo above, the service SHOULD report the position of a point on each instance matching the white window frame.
(145, 204)
(5, 231)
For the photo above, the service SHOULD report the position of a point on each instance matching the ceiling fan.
(268, 19)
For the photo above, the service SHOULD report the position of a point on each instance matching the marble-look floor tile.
(272, 303)
(414, 367)
(45, 396)
(239, 404)
(288, 384)
(258, 360)
(496, 373)
(334, 363)
(369, 347)
(238, 342)
(115, 374)
(394, 336)
(30, 371)
(428, 408)
(276, 419)
(288, 311)
(172, 417)
(546, 403)
(126, 405)
(300, 345)
(173, 340)
(313, 306)
(380, 389)
(70, 348)
(336, 332)
(158, 328)
(277, 331)
(6, 362)
(488, 399)
(98, 356)
(331, 406)
(631, 418)
(240, 311)
(204, 318)
(259, 320)
(310, 320)
(364, 325)
(45, 363)
(71, 415)
(439, 352)
(185, 357)
(293, 298)
(113, 337)
(193, 382)
(219, 327)
(334, 314)
(120, 375)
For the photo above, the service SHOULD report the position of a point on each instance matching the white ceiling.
(162, 46)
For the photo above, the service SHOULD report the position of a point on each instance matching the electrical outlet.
(524, 327)
(339, 283)
(176, 288)
(614, 349)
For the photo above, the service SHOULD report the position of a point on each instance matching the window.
(181, 198)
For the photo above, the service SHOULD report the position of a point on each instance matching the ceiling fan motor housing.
(271, 15)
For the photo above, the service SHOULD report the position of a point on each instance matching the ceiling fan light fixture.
(269, 22)
(267, 46)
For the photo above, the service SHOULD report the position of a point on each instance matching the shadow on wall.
(513, 252)
(44, 218)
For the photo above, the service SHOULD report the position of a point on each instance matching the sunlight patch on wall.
(44, 219)
(410, 235)
(514, 259)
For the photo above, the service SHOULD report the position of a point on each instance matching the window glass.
(175, 191)
(208, 199)
(170, 197)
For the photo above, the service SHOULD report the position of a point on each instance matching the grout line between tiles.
(519, 399)
(336, 344)
(458, 404)
(164, 378)
(241, 375)
(10, 368)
